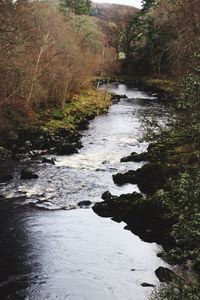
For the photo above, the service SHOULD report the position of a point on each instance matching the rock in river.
(136, 157)
(48, 160)
(28, 174)
(147, 218)
(145, 284)
(167, 275)
(149, 178)
(84, 203)
(66, 149)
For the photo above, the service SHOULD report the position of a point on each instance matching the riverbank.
(52, 131)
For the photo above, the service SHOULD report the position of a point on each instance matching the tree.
(115, 23)
(79, 7)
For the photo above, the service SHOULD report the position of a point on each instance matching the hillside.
(106, 10)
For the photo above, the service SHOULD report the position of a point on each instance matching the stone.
(145, 284)
(106, 196)
(48, 160)
(84, 203)
(149, 219)
(28, 174)
(66, 149)
(136, 157)
(149, 178)
(166, 275)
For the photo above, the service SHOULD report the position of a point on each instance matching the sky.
(136, 3)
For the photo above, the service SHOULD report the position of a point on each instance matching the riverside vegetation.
(45, 91)
(49, 55)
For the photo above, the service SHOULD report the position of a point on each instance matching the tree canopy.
(79, 7)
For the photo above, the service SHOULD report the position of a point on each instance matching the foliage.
(161, 43)
(79, 7)
(177, 291)
(115, 23)
(46, 57)
(82, 107)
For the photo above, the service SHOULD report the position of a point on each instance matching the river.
(50, 248)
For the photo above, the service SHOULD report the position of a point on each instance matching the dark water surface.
(50, 248)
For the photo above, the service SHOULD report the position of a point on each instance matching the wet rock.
(66, 149)
(2, 197)
(83, 124)
(145, 284)
(63, 132)
(48, 160)
(149, 178)
(84, 203)
(6, 178)
(28, 174)
(106, 196)
(136, 157)
(147, 218)
(167, 275)
(116, 206)
(100, 170)
(117, 219)
(118, 97)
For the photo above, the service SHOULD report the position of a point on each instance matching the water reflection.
(75, 255)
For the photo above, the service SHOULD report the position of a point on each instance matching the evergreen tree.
(147, 4)
(79, 7)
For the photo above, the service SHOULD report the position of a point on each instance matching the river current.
(50, 248)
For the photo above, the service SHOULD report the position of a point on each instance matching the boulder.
(167, 275)
(66, 149)
(28, 174)
(83, 124)
(149, 178)
(84, 203)
(118, 97)
(136, 157)
(147, 218)
(106, 196)
(48, 160)
(145, 284)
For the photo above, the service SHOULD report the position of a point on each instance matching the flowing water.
(52, 249)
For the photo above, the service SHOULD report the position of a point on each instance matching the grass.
(82, 107)
(168, 86)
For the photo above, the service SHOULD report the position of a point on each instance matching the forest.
(53, 55)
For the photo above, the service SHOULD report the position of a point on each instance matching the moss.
(81, 108)
(168, 86)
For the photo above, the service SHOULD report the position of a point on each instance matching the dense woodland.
(48, 53)
(51, 51)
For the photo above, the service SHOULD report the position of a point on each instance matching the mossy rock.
(137, 157)
(147, 218)
(149, 178)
